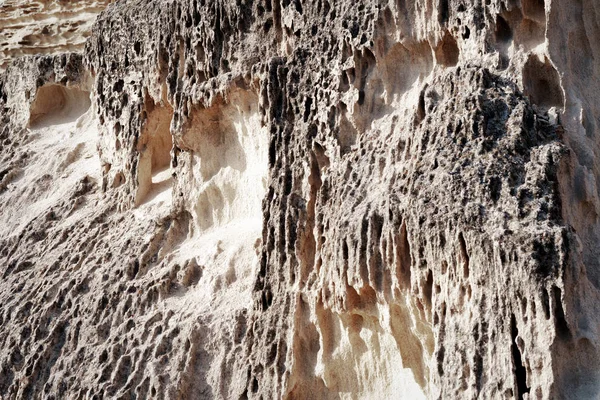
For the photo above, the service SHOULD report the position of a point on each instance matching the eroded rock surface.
(287, 199)
(45, 26)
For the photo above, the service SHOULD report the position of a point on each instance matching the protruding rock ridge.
(287, 199)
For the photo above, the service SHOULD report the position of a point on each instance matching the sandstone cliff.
(45, 26)
(303, 200)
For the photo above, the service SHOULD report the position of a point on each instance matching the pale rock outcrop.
(287, 199)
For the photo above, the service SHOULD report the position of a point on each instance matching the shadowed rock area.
(302, 200)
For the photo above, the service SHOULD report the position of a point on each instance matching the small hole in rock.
(503, 32)
(447, 51)
(541, 83)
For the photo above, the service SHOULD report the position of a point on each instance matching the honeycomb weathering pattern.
(290, 199)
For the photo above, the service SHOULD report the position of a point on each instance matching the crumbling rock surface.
(287, 199)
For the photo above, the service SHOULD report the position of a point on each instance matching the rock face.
(45, 26)
(289, 199)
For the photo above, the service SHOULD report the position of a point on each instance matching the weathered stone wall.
(306, 200)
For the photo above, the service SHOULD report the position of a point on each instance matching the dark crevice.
(464, 254)
(376, 261)
(444, 14)
(503, 32)
(404, 258)
(562, 328)
(520, 370)
(546, 303)
(495, 188)
(428, 290)
(420, 115)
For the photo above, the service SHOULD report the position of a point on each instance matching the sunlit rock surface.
(302, 200)
(45, 26)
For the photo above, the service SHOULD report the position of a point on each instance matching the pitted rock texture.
(288, 199)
